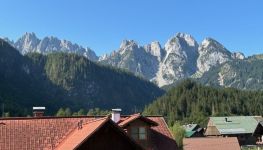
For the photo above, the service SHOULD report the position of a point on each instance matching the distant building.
(241, 127)
(193, 130)
(258, 133)
(134, 132)
(211, 143)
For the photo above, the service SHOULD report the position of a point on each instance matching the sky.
(103, 24)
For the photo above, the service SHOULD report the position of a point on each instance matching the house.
(211, 143)
(258, 133)
(193, 130)
(241, 127)
(86, 132)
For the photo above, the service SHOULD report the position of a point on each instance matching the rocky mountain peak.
(29, 35)
(189, 39)
(6, 39)
(238, 55)
(29, 42)
(209, 44)
(128, 45)
(155, 49)
(179, 61)
(179, 41)
(211, 53)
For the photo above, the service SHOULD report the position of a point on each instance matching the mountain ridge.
(179, 58)
(67, 80)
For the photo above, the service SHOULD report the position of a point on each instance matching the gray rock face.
(155, 49)
(179, 61)
(30, 43)
(163, 66)
(238, 55)
(27, 43)
(211, 53)
(242, 74)
(181, 57)
(136, 59)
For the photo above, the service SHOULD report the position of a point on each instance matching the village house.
(193, 130)
(242, 127)
(113, 132)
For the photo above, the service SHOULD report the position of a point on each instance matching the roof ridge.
(48, 117)
(95, 120)
(96, 129)
(74, 129)
(166, 125)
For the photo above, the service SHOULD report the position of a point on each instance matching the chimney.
(38, 111)
(116, 115)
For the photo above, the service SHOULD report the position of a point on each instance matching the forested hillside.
(67, 80)
(192, 102)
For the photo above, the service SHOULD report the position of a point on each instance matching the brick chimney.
(116, 115)
(38, 111)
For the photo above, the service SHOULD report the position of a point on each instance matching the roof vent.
(116, 115)
(227, 120)
(38, 111)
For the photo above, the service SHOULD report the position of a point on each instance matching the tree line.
(191, 102)
(66, 112)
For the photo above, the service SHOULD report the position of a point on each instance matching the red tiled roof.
(211, 143)
(161, 136)
(79, 135)
(36, 133)
(125, 121)
(51, 132)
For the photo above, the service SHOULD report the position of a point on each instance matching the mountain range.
(60, 79)
(181, 57)
(29, 43)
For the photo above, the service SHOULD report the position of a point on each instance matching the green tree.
(68, 112)
(6, 114)
(97, 111)
(60, 112)
(81, 112)
(178, 134)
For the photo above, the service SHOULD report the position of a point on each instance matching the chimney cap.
(39, 108)
(116, 110)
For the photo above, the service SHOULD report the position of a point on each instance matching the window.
(142, 133)
(138, 133)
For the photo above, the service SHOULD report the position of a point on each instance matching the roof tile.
(209, 143)
(49, 132)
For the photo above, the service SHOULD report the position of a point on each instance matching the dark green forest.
(60, 80)
(192, 102)
(68, 84)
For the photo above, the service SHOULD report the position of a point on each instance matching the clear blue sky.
(103, 24)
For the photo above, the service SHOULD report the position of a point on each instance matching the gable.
(108, 137)
(135, 118)
(98, 134)
(51, 132)
(211, 129)
(259, 129)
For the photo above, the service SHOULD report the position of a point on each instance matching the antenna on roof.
(80, 124)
